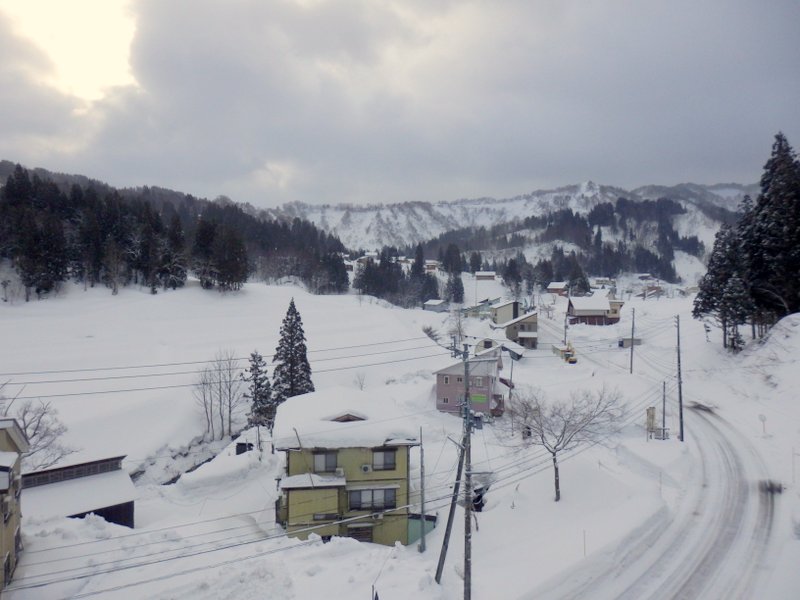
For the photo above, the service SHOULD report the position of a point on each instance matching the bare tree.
(39, 420)
(202, 392)
(456, 324)
(359, 379)
(560, 426)
(227, 388)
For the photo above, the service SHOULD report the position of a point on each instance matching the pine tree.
(430, 288)
(722, 265)
(474, 262)
(734, 308)
(203, 252)
(454, 289)
(262, 405)
(418, 266)
(292, 373)
(774, 245)
(230, 259)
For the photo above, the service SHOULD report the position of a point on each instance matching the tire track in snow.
(713, 546)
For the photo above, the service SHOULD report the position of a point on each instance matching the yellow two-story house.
(13, 444)
(347, 467)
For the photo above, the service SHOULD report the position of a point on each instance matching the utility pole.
(464, 457)
(663, 410)
(422, 492)
(633, 328)
(467, 481)
(449, 527)
(680, 381)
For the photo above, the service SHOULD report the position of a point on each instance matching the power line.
(196, 362)
(212, 368)
(185, 385)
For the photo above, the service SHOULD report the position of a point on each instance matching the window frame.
(326, 455)
(388, 499)
(384, 452)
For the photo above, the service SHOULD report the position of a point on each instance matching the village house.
(504, 311)
(347, 467)
(485, 275)
(101, 487)
(436, 305)
(484, 346)
(431, 266)
(481, 309)
(522, 330)
(13, 444)
(485, 393)
(597, 309)
(561, 288)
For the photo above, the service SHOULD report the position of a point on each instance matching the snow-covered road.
(711, 544)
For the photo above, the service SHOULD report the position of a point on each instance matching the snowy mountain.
(376, 225)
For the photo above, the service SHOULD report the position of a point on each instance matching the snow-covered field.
(637, 518)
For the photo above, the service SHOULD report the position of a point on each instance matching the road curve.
(713, 544)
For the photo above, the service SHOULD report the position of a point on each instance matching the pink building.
(484, 386)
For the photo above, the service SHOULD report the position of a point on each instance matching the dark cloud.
(387, 101)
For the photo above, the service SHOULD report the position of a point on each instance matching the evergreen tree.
(474, 262)
(418, 266)
(452, 259)
(333, 265)
(172, 271)
(454, 290)
(722, 266)
(734, 307)
(430, 288)
(229, 259)
(203, 252)
(512, 277)
(774, 235)
(292, 372)
(262, 405)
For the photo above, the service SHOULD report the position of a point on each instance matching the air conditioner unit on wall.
(339, 472)
(366, 468)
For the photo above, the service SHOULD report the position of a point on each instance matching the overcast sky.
(270, 101)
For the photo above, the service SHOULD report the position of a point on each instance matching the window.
(445, 400)
(384, 460)
(325, 516)
(479, 382)
(362, 534)
(324, 462)
(372, 499)
(459, 380)
(446, 379)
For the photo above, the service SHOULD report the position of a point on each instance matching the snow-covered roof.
(591, 303)
(311, 480)
(7, 459)
(434, 302)
(513, 321)
(315, 419)
(503, 303)
(78, 496)
(485, 274)
(478, 367)
(528, 334)
(557, 285)
(16, 433)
